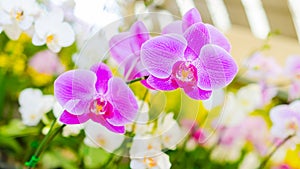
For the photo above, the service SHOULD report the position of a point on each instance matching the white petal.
(36, 40)
(26, 22)
(12, 31)
(4, 18)
(145, 146)
(65, 34)
(54, 47)
(96, 134)
(29, 96)
(47, 103)
(57, 109)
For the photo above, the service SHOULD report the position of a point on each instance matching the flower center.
(49, 38)
(19, 15)
(292, 125)
(184, 73)
(150, 162)
(99, 106)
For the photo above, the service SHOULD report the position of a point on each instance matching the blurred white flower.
(17, 16)
(251, 161)
(216, 99)
(33, 105)
(161, 161)
(68, 130)
(239, 105)
(169, 131)
(141, 125)
(99, 136)
(230, 153)
(148, 145)
(50, 29)
(145, 153)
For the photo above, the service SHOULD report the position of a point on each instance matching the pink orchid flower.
(196, 60)
(125, 48)
(94, 94)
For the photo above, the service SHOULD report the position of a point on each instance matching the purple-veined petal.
(120, 46)
(218, 38)
(74, 90)
(117, 119)
(174, 27)
(196, 36)
(191, 17)
(141, 35)
(215, 67)
(160, 53)
(162, 84)
(100, 119)
(103, 74)
(68, 118)
(127, 44)
(122, 98)
(196, 93)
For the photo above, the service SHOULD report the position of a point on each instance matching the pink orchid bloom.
(125, 48)
(94, 94)
(196, 60)
(286, 120)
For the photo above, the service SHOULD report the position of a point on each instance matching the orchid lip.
(98, 106)
(184, 73)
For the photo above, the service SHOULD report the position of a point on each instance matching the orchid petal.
(218, 38)
(196, 93)
(101, 120)
(74, 90)
(197, 36)
(103, 74)
(174, 27)
(65, 34)
(162, 84)
(68, 118)
(190, 18)
(215, 67)
(127, 44)
(122, 98)
(160, 53)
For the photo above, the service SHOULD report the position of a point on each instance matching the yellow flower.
(292, 158)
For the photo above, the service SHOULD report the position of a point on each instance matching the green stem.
(45, 142)
(264, 163)
(137, 80)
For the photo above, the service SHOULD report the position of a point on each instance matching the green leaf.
(93, 157)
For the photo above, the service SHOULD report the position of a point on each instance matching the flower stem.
(137, 80)
(45, 142)
(264, 163)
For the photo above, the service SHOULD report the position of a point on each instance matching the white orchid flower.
(98, 136)
(33, 105)
(50, 29)
(17, 16)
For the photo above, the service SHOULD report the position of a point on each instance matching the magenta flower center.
(99, 106)
(184, 73)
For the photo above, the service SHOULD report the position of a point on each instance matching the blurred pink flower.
(282, 166)
(46, 62)
(292, 70)
(256, 131)
(286, 122)
(261, 67)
